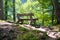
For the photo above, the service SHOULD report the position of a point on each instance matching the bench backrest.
(30, 14)
(23, 14)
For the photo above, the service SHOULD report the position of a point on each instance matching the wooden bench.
(30, 19)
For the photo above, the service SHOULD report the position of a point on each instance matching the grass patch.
(26, 34)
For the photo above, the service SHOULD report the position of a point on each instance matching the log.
(50, 33)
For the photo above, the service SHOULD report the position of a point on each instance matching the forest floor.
(53, 32)
(54, 28)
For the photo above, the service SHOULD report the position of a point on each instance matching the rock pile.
(8, 32)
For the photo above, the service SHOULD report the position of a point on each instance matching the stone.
(49, 38)
(8, 32)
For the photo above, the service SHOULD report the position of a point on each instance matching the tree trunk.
(6, 9)
(56, 10)
(1, 10)
(14, 18)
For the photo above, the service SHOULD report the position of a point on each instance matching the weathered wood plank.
(31, 19)
(50, 33)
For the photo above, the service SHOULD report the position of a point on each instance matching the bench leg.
(18, 21)
(34, 22)
(30, 22)
(21, 21)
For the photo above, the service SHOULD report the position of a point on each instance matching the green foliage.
(30, 36)
(42, 10)
(26, 34)
(23, 29)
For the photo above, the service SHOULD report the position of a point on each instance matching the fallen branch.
(49, 32)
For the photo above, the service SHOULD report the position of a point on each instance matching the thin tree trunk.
(14, 18)
(52, 14)
(56, 10)
(6, 1)
(1, 10)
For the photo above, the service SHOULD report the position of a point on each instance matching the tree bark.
(14, 18)
(6, 9)
(56, 10)
(1, 10)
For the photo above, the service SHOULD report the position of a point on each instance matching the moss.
(26, 34)
(30, 36)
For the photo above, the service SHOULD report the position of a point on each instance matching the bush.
(26, 34)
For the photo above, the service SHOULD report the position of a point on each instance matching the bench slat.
(25, 14)
(29, 19)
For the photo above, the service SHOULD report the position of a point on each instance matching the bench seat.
(30, 19)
